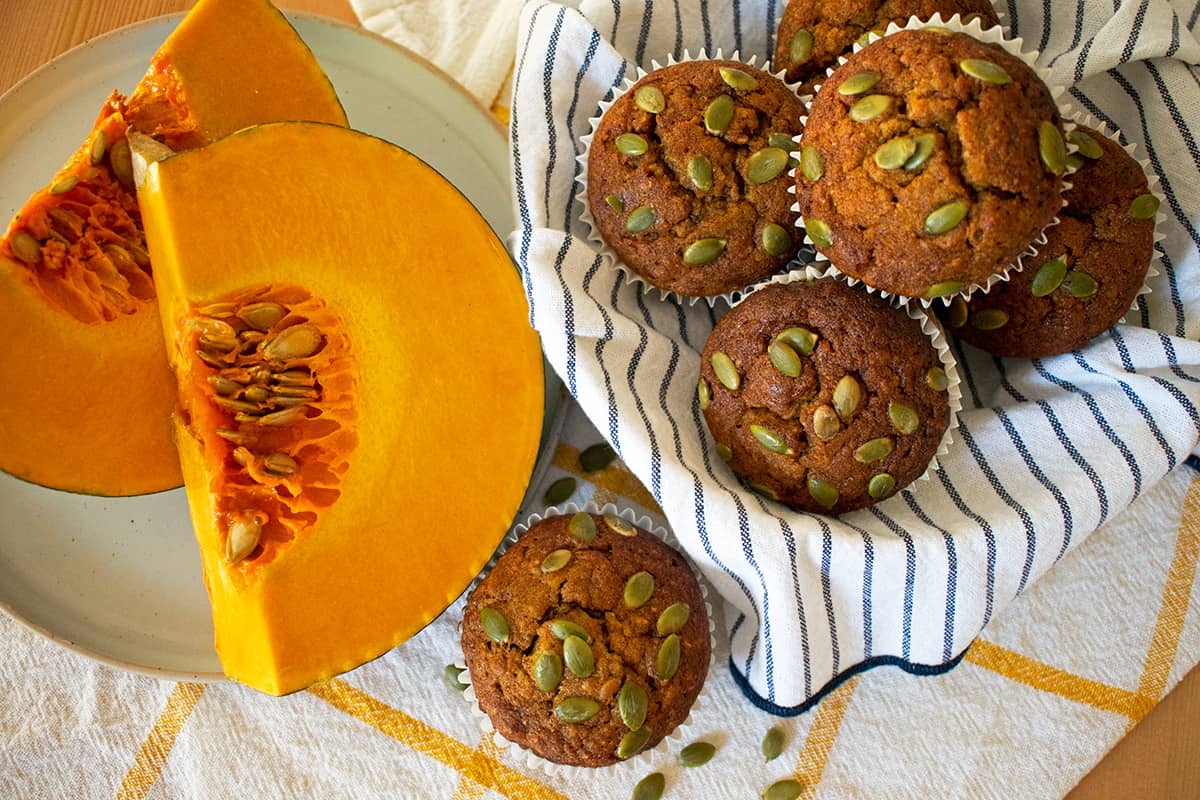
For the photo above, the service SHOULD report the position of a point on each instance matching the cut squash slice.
(361, 392)
(85, 393)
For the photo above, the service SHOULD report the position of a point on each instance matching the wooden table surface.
(1159, 759)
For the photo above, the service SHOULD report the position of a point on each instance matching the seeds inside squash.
(86, 394)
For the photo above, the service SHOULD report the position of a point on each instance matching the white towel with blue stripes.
(1047, 450)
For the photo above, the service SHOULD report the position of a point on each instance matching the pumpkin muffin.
(930, 162)
(1088, 273)
(823, 396)
(687, 176)
(588, 641)
(813, 34)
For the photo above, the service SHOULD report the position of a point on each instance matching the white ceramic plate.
(119, 580)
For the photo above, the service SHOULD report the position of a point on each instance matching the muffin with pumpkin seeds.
(1087, 274)
(687, 176)
(930, 162)
(588, 641)
(823, 396)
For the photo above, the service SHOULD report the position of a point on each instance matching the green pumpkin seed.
(865, 39)
(766, 165)
(548, 671)
(667, 662)
(847, 396)
(812, 165)
(896, 153)
(704, 393)
(825, 422)
(822, 491)
(559, 491)
(881, 486)
(718, 114)
(787, 789)
(650, 787)
(944, 289)
(1052, 148)
(1144, 206)
(451, 673)
(673, 618)
(620, 526)
(765, 491)
(697, 754)
(703, 251)
(776, 240)
(984, 70)
(738, 79)
(925, 143)
(99, 147)
(936, 379)
(700, 171)
(632, 704)
(873, 450)
(615, 203)
(989, 319)
(726, 371)
(1049, 277)
(802, 340)
(800, 49)
(785, 359)
(65, 185)
(641, 219)
(772, 744)
(870, 107)
(904, 417)
(25, 247)
(1088, 147)
(578, 656)
(1075, 161)
(562, 628)
(597, 457)
(638, 589)
(576, 709)
(858, 83)
(650, 99)
(632, 742)
(582, 527)
(944, 219)
(820, 232)
(556, 560)
(770, 439)
(1080, 285)
(494, 625)
(957, 315)
(630, 144)
(723, 452)
(784, 141)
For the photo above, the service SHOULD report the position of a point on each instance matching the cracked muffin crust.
(687, 176)
(813, 34)
(1088, 273)
(822, 396)
(564, 591)
(930, 161)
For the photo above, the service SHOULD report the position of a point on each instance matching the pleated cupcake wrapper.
(516, 755)
(581, 176)
(993, 35)
(930, 326)
(1082, 117)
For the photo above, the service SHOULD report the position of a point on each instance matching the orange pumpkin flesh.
(332, 530)
(85, 394)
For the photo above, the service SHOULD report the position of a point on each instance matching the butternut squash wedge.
(85, 393)
(360, 391)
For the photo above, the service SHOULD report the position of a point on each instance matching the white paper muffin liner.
(516, 755)
(930, 326)
(581, 176)
(993, 35)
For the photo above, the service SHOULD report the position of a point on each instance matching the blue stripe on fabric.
(1081, 60)
(868, 579)
(519, 178)
(644, 34)
(569, 311)
(548, 102)
(1050, 486)
(1138, 20)
(989, 538)
(827, 589)
(678, 49)
(771, 31)
(964, 371)
(789, 541)
(655, 452)
(737, 625)
(1077, 36)
(1180, 397)
(614, 434)
(1194, 17)
(1013, 21)
(737, 25)
(616, 6)
(910, 578)
(1047, 16)
(1174, 46)
(1137, 403)
(1173, 359)
(593, 44)
(951, 572)
(748, 552)
(708, 48)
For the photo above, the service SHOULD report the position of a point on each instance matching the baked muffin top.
(687, 176)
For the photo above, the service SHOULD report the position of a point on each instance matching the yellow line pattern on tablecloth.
(1174, 605)
(468, 788)
(477, 765)
(821, 735)
(1042, 676)
(613, 478)
(152, 757)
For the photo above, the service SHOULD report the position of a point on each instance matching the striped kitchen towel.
(1047, 450)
